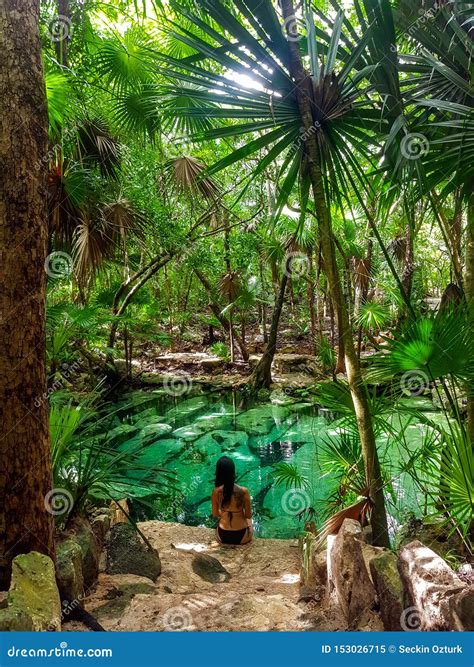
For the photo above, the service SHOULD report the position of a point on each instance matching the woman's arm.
(215, 504)
(247, 504)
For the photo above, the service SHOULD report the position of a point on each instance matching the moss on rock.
(33, 602)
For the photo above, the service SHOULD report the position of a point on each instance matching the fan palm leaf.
(246, 88)
(188, 175)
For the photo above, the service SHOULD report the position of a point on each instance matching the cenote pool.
(188, 434)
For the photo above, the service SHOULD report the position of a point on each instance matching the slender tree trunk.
(341, 356)
(311, 304)
(63, 31)
(469, 290)
(25, 456)
(263, 307)
(304, 94)
(228, 267)
(408, 261)
(217, 311)
(262, 375)
(140, 279)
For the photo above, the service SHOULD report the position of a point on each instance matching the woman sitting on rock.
(231, 505)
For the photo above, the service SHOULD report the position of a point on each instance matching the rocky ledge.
(203, 586)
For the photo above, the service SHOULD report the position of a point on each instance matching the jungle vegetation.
(202, 175)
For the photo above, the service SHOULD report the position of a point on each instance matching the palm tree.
(311, 122)
(439, 91)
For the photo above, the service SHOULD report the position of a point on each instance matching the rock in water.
(210, 569)
(33, 603)
(127, 554)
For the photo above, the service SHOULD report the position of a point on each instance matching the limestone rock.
(260, 420)
(119, 512)
(387, 582)
(85, 537)
(210, 569)
(127, 554)
(100, 527)
(314, 572)
(33, 599)
(113, 594)
(348, 574)
(291, 363)
(229, 440)
(187, 433)
(261, 594)
(154, 430)
(461, 607)
(69, 570)
(431, 584)
(433, 535)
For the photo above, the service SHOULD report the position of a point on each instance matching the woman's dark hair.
(225, 476)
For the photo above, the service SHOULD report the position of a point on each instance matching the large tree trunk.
(25, 457)
(261, 377)
(304, 96)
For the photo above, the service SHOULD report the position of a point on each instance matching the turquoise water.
(189, 434)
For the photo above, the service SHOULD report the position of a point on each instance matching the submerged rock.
(188, 433)
(207, 447)
(33, 602)
(213, 422)
(159, 452)
(128, 554)
(229, 440)
(260, 421)
(154, 430)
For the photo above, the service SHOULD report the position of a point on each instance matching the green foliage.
(289, 476)
(326, 354)
(135, 119)
(220, 350)
(373, 316)
(90, 466)
(443, 470)
(438, 346)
